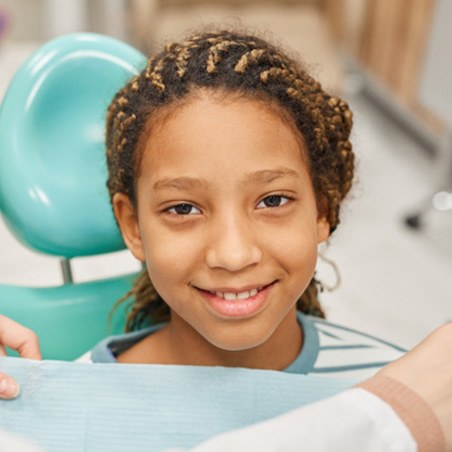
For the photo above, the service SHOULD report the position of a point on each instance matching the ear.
(323, 229)
(127, 219)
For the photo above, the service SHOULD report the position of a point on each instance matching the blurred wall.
(389, 39)
(25, 19)
(40, 20)
(302, 26)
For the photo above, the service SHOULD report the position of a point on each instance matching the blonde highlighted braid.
(247, 66)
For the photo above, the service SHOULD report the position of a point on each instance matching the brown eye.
(273, 201)
(184, 209)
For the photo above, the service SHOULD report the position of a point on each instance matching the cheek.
(170, 257)
(297, 249)
(302, 255)
(163, 271)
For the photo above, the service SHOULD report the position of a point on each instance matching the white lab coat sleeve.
(354, 420)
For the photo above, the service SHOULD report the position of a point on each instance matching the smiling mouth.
(233, 295)
(228, 303)
(229, 296)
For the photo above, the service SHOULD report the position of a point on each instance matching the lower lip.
(237, 308)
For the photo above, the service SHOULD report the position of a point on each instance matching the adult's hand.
(22, 340)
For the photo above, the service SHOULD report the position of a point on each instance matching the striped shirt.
(329, 350)
(344, 352)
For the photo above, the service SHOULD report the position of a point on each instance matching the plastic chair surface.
(52, 155)
(69, 320)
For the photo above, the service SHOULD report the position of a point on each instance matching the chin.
(238, 343)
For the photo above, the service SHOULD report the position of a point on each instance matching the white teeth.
(243, 295)
(253, 292)
(237, 296)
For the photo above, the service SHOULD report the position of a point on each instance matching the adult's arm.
(427, 372)
(355, 420)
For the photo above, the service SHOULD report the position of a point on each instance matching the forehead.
(220, 134)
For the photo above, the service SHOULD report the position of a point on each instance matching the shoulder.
(85, 358)
(332, 335)
(346, 352)
(109, 348)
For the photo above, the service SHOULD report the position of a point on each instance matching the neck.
(179, 343)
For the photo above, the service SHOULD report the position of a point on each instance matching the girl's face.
(227, 224)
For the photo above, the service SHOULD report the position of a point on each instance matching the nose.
(233, 245)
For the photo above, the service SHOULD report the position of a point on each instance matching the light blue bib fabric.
(70, 406)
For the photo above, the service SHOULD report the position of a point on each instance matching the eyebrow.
(266, 176)
(180, 183)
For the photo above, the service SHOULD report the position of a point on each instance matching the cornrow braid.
(244, 65)
(215, 53)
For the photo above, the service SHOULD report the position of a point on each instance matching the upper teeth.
(237, 296)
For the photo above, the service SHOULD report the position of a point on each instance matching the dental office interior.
(387, 270)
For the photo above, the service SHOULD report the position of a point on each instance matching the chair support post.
(66, 271)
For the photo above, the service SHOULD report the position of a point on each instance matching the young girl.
(227, 167)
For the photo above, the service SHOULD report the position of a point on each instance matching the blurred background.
(390, 59)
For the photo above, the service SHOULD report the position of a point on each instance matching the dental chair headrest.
(53, 175)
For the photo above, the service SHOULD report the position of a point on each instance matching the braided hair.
(241, 64)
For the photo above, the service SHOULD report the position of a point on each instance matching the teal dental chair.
(53, 194)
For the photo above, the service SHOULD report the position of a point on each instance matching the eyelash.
(173, 209)
(275, 195)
